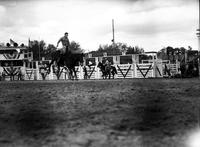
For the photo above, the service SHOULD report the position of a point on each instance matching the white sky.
(151, 24)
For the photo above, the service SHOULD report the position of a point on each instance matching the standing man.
(65, 43)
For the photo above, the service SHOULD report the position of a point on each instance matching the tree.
(76, 46)
(37, 47)
(113, 49)
(172, 54)
(48, 51)
(40, 49)
(117, 49)
(134, 50)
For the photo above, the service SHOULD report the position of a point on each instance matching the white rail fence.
(148, 70)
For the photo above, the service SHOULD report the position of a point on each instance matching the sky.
(150, 24)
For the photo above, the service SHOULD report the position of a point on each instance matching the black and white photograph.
(99, 73)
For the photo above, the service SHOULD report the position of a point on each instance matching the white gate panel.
(125, 71)
(158, 70)
(144, 70)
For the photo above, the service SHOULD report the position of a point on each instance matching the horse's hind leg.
(49, 66)
(70, 74)
(58, 73)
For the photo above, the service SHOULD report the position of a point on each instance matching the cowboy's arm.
(58, 42)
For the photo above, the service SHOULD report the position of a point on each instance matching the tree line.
(116, 49)
(40, 49)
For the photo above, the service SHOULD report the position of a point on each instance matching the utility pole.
(113, 31)
(39, 49)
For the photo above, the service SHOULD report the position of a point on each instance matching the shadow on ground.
(158, 113)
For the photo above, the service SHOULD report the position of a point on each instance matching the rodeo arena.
(16, 63)
(142, 101)
(116, 96)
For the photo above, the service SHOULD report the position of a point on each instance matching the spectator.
(85, 72)
(19, 74)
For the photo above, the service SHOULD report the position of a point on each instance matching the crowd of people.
(19, 74)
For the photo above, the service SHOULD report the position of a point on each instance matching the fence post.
(24, 70)
(51, 73)
(135, 67)
(81, 74)
(37, 71)
(132, 71)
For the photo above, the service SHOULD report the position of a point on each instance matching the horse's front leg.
(70, 74)
(104, 75)
(75, 75)
(58, 73)
(49, 67)
(109, 75)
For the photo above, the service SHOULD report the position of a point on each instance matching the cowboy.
(107, 62)
(65, 43)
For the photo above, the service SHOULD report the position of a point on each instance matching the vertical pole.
(39, 49)
(37, 71)
(154, 66)
(198, 37)
(113, 31)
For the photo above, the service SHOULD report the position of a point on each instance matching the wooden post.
(37, 71)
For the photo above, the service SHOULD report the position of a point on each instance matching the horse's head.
(101, 66)
(73, 60)
(81, 58)
(55, 55)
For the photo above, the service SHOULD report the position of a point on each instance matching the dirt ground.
(98, 113)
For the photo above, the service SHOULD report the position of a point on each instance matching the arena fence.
(135, 70)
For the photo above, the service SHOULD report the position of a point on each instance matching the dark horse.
(69, 60)
(107, 70)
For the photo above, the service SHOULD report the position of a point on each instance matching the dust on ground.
(98, 113)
